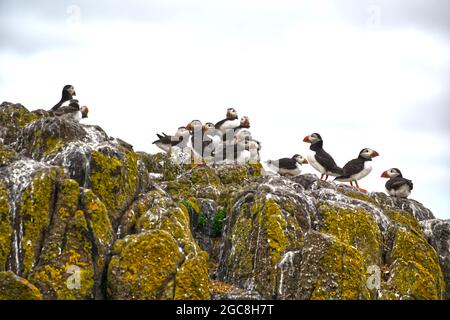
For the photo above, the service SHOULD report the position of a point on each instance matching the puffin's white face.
(209, 126)
(70, 89)
(182, 131)
(195, 125)
(300, 159)
(231, 113)
(243, 135)
(245, 121)
(312, 138)
(391, 173)
(368, 153)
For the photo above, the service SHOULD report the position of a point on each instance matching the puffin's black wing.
(396, 183)
(57, 106)
(220, 123)
(327, 161)
(72, 107)
(287, 163)
(352, 167)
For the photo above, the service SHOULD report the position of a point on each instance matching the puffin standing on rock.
(68, 93)
(320, 159)
(358, 168)
(397, 186)
(69, 107)
(230, 122)
(166, 142)
(288, 166)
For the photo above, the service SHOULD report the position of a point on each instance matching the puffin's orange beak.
(306, 139)
(74, 93)
(375, 154)
(384, 175)
(305, 161)
(189, 127)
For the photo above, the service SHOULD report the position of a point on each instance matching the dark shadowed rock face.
(84, 216)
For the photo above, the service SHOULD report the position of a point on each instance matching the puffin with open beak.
(358, 168)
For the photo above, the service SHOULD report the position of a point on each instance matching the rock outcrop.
(84, 216)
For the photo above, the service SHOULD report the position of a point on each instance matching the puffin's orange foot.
(362, 190)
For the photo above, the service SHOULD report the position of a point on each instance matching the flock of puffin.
(230, 141)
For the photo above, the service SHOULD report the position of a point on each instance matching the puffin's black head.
(68, 92)
(231, 114)
(392, 173)
(245, 122)
(313, 138)
(368, 153)
(300, 159)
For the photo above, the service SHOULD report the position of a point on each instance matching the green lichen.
(34, 212)
(343, 277)
(240, 260)
(67, 251)
(99, 224)
(355, 227)
(145, 267)
(13, 287)
(232, 174)
(274, 224)
(357, 195)
(415, 271)
(5, 227)
(192, 281)
(114, 180)
(404, 219)
(205, 176)
(6, 155)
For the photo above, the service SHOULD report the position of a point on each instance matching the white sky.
(361, 73)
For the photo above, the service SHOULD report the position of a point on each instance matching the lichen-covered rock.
(266, 220)
(13, 287)
(437, 233)
(13, 117)
(349, 236)
(84, 216)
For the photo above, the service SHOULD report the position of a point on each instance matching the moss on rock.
(192, 279)
(415, 271)
(5, 227)
(35, 214)
(343, 274)
(13, 287)
(355, 227)
(144, 267)
(114, 180)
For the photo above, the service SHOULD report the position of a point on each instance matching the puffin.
(232, 153)
(212, 139)
(71, 110)
(397, 186)
(358, 168)
(244, 125)
(166, 142)
(230, 122)
(196, 129)
(254, 148)
(288, 166)
(68, 93)
(320, 159)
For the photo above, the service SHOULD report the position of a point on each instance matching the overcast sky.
(361, 73)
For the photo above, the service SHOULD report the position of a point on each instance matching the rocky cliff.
(84, 216)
